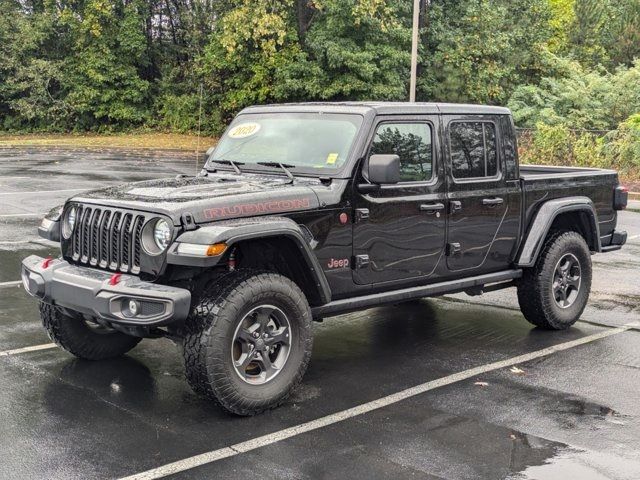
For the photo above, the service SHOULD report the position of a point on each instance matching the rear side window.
(412, 143)
(473, 149)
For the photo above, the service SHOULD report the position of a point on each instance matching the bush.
(622, 147)
(179, 113)
(578, 98)
(547, 145)
(559, 145)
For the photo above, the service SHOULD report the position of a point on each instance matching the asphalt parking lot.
(457, 387)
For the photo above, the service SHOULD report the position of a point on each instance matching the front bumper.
(89, 291)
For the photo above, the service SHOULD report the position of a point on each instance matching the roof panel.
(382, 108)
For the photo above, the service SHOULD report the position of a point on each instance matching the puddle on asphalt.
(574, 409)
(612, 302)
(537, 458)
(582, 465)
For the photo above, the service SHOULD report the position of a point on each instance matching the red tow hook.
(115, 279)
(46, 262)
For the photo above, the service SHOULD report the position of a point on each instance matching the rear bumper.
(612, 242)
(89, 291)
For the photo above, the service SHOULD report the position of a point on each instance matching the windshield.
(299, 140)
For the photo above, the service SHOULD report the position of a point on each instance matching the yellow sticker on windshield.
(244, 130)
(331, 158)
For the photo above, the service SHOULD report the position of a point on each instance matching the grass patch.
(152, 141)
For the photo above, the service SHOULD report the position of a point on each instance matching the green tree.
(623, 39)
(105, 81)
(579, 98)
(33, 49)
(252, 43)
(562, 18)
(177, 45)
(588, 31)
(604, 32)
(357, 49)
(480, 50)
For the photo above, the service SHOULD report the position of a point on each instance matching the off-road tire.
(535, 293)
(209, 331)
(195, 372)
(76, 337)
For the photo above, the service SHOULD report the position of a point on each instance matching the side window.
(412, 143)
(473, 149)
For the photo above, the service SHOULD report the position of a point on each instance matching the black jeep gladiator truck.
(304, 211)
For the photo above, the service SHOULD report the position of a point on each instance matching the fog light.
(134, 307)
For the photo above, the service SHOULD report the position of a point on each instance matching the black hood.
(209, 198)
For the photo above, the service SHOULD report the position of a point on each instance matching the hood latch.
(188, 223)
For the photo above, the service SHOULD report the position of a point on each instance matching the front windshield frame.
(298, 170)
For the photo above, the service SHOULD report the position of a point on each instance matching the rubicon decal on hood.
(272, 206)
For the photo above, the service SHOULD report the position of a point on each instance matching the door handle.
(431, 207)
(492, 201)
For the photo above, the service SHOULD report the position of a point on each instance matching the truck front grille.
(107, 238)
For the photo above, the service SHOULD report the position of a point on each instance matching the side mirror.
(384, 169)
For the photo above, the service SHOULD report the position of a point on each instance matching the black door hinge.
(453, 249)
(361, 261)
(362, 214)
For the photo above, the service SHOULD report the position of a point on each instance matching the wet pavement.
(571, 414)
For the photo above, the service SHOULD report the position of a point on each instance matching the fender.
(49, 227)
(233, 231)
(543, 220)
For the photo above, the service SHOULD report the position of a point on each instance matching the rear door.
(480, 233)
(399, 229)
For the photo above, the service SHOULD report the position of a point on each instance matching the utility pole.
(414, 50)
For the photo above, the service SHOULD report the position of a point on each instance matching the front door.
(478, 194)
(399, 230)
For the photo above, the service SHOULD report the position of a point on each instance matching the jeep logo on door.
(338, 263)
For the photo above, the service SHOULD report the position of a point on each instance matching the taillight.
(620, 197)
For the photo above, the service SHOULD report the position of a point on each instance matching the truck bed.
(541, 183)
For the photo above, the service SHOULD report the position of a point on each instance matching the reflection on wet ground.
(573, 414)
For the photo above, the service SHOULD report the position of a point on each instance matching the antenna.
(199, 129)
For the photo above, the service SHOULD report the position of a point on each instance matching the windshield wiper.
(284, 166)
(233, 163)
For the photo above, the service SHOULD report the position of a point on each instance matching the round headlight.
(69, 222)
(162, 234)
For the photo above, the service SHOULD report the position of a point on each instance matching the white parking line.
(34, 348)
(45, 191)
(37, 241)
(23, 215)
(249, 445)
(634, 236)
(11, 284)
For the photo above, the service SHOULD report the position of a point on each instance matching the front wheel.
(82, 338)
(554, 293)
(248, 341)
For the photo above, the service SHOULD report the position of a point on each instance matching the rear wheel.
(554, 293)
(248, 341)
(83, 338)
